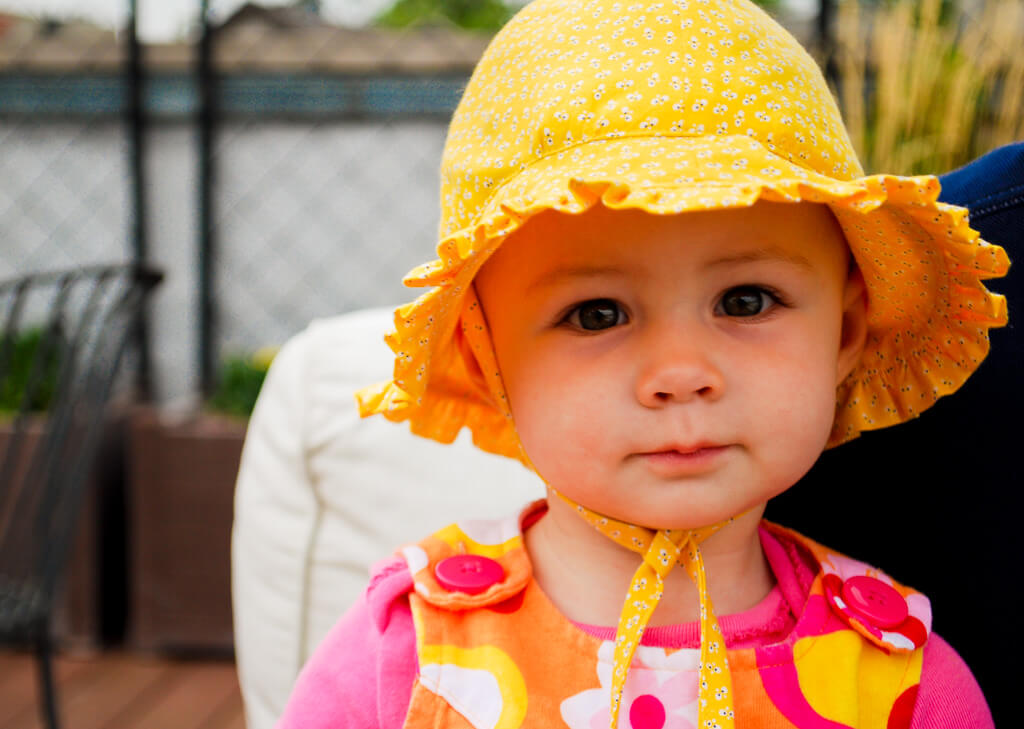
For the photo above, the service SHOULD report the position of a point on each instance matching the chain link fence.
(63, 193)
(323, 151)
(65, 168)
(294, 176)
(314, 219)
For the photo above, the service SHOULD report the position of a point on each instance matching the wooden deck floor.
(123, 691)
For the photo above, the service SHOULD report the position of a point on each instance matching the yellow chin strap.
(661, 550)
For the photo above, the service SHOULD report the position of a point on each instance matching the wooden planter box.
(90, 603)
(180, 509)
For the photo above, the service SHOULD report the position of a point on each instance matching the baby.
(665, 285)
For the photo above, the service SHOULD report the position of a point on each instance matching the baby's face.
(673, 371)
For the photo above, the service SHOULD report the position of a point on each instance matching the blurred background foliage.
(24, 349)
(239, 383)
(488, 15)
(927, 85)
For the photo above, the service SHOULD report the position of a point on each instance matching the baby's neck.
(586, 575)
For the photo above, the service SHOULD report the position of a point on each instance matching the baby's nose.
(677, 373)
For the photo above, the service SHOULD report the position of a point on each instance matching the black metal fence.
(277, 168)
(318, 187)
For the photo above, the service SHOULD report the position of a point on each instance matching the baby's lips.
(683, 448)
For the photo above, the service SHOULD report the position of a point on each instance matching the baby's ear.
(472, 365)
(855, 324)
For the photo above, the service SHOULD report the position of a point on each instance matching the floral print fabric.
(499, 660)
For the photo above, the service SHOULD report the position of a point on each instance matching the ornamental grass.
(926, 86)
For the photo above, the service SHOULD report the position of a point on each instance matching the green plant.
(241, 378)
(487, 15)
(24, 351)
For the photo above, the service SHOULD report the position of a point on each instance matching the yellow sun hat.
(670, 107)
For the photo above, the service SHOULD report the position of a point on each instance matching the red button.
(468, 573)
(878, 603)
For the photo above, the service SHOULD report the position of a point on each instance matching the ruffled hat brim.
(928, 312)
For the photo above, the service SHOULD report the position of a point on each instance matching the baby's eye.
(596, 315)
(746, 301)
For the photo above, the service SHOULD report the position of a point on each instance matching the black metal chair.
(62, 338)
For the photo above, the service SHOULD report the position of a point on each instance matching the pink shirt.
(361, 676)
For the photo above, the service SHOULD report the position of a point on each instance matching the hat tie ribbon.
(662, 549)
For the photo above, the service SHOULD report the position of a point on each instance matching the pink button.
(878, 603)
(468, 573)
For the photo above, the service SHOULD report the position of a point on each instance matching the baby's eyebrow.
(562, 273)
(762, 254)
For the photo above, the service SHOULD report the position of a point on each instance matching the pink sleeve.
(361, 675)
(949, 697)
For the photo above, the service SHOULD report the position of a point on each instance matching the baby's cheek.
(562, 434)
(806, 420)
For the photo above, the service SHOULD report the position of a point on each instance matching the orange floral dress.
(494, 653)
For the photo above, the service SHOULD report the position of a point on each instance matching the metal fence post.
(207, 234)
(135, 119)
(825, 27)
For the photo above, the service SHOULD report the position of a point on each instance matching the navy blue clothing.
(939, 501)
(992, 188)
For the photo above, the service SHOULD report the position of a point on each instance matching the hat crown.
(565, 72)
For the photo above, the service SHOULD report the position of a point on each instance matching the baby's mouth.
(684, 458)
(685, 449)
